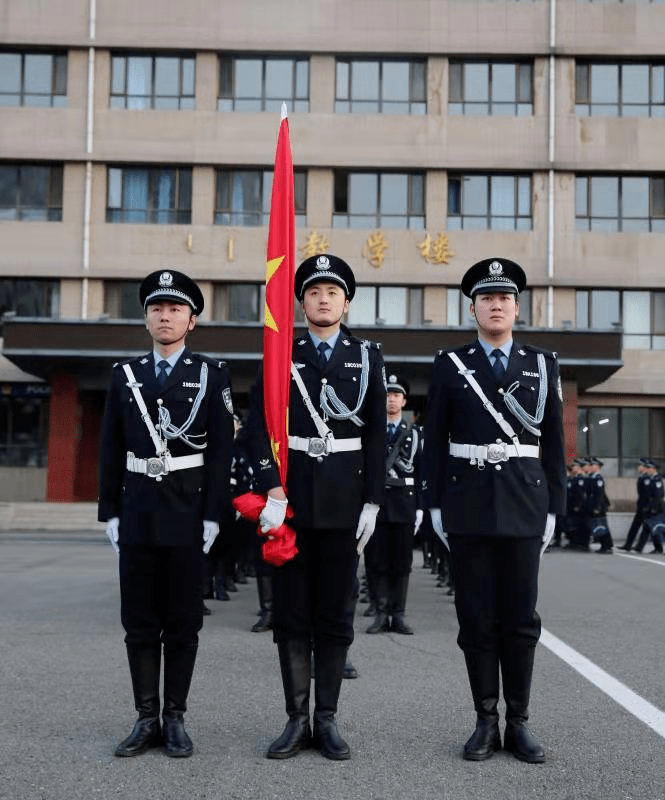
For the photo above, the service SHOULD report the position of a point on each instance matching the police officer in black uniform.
(643, 483)
(494, 459)
(573, 520)
(654, 503)
(389, 553)
(336, 475)
(164, 478)
(597, 504)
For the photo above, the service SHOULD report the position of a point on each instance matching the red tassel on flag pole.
(278, 337)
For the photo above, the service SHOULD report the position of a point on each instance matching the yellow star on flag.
(271, 268)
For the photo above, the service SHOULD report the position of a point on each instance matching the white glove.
(437, 524)
(210, 531)
(273, 514)
(113, 532)
(366, 525)
(419, 520)
(549, 532)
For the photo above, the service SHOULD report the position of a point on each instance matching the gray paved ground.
(66, 694)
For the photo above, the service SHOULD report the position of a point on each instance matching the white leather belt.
(161, 465)
(315, 446)
(401, 482)
(493, 453)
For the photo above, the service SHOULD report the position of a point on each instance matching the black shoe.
(296, 736)
(327, 740)
(230, 585)
(220, 590)
(608, 550)
(177, 743)
(146, 733)
(623, 547)
(370, 611)
(484, 741)
(205, 610)
(264, 623)
(380, 624)
(399, 626)
(349, 670)
(520, 741)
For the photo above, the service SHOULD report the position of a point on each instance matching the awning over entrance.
(88, 348)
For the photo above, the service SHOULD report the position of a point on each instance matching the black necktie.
(391, 431)
(499, 369)
(322, 349)
(162, 375)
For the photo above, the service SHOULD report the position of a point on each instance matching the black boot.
(144, 667)
(516, 672)
(483, 672)
(400, 589)
(220, 588)
(330, 660)
(294, 658)
(178, 671)
(381, 622)
(264, 623)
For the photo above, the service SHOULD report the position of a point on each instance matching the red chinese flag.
(278, 318)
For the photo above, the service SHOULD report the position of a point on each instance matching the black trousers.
(390, 550)
(314, 594)
(160, 595)
(496, 588)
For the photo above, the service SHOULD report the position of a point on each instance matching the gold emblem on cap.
(165, 279)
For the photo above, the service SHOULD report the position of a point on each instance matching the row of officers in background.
(585, 520)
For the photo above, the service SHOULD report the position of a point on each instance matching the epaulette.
(213, 362)
(534, 349)
(124, 361)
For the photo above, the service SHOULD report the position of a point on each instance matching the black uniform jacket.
(511, 498)
(405, 479)
(597, 501)
(650, 499)
(169, 511)
(328, 491)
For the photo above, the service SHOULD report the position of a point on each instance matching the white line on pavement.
(619, 692)
(641, 558)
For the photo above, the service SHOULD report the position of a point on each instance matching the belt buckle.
(316, 447)
(496, 452)
(155, 467)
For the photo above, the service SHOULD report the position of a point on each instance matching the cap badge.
(496, 268)
(392, 378)
(322, 262)
(165, 280)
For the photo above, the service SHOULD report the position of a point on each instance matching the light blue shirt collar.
(331, 342)
(505, 348)
(172, 359)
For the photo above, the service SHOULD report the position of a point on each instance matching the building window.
(156, 195)
(458, 313)
(33, 79)
(381, 87)
(619, 204)
(121, 300)
(386, 305)
(489, 202)
(29, 298)
(243, 196)
(641, 314)
(152, 81)
(620, 90)
(379, 200)
(238, 302)
(31, 192)
(621, 436)
(24, 426)
(479, 88)
(263, 84)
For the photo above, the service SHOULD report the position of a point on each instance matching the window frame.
(179, 214)
(229, 100)
(226, 215)
(586, 221)
(53, 208)
(521, 222)
(121, 100)
(57, 97)
(342, 200)
(458, 105)
(416, 103)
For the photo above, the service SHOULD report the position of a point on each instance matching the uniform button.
(319, 459)
(538, 482)
(497, 467)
